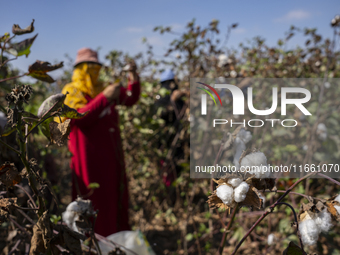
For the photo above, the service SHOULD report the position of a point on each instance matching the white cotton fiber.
(74, 210)
(225, 193)
(234, 182)
(337, 207)
(324, 221)
(256, 163)
(321, 131)
(244, 135)
(271, 238)
(239, 145)
(254, 159)
(240, 192)
(309, 231)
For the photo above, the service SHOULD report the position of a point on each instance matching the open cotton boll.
(240, 192)
(321, 131)
(309, 231)
(261, 172)
(235, 182)
(239, 145)
(225, 193)
(244, 135)
(256, 163)
(324, 221)
(271, 238)
(254, 159)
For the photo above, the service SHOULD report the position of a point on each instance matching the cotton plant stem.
(297, 224)
(226, 231)
(295, 193)
(14, 77)
(329, 178)
(31, 179)
(269, 210)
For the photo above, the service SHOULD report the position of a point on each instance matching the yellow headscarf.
(84, 82)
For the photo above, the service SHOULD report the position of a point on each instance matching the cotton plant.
(317, 219)
(76, 211)
(312, 225)
(234, 190)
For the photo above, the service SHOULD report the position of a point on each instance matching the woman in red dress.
(95, 141)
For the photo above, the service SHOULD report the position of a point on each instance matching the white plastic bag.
(132, 240)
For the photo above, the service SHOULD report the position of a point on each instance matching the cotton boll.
(225, 193)
(256, 163)
(261, 172)
(324, 221)
(244, 135)
(309, 231)
(240, 192)
(321, 131)
(254, 159)
(234, 182)
(222, 60)
(271, 238)
(239, 145)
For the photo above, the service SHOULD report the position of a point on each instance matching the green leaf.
(41, 76)
(293, 249)
(19, 31)
(21, 48)
(45, 128)
(51, 104)
(71, 113)
(93, 185)
(8, 129)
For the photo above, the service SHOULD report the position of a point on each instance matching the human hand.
(177, 94)
(112, 91)
(131, 67)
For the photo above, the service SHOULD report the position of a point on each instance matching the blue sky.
(65, 26)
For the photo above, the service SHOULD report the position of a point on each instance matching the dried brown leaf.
(8, 202)
(9, 174)
(17, 30)
(332, 210)
(60, 132)
(252, 199)
(72, 241)
(215, 202)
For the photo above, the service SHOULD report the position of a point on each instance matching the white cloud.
(294, 15)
